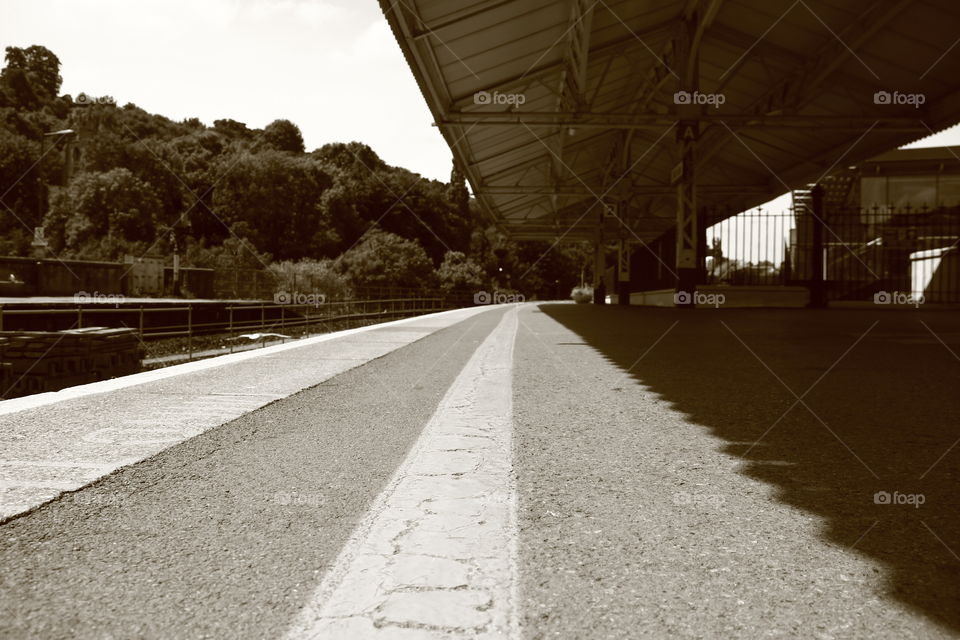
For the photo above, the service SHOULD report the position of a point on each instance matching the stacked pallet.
(38, 361)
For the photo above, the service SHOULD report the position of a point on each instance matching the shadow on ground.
(882, 414)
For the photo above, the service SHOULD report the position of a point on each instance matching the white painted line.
(62, 464)
(436, 552)
(43, 399)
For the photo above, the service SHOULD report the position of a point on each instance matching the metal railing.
(862, 252)
(234, 319)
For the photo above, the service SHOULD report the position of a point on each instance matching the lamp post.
(61, 134)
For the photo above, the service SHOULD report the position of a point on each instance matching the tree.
(18, 177)
(113, 204)
(31, 77)
(283, 135)
(383, 259)
(459, 272)
(278, 197)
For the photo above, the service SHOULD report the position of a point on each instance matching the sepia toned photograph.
(479, 319)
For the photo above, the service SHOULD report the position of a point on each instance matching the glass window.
(915, 191)
(949, 192)
(873, 192)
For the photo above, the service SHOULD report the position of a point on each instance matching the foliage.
(311, 276)
(31, 77)
(383, 259)
(283, 135)
(232, 196)
(459, 272)
(101, 215)
(582, 295)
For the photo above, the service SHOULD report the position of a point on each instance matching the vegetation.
(127, 182)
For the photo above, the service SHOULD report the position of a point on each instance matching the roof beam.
(635, 190)
(456, 17)
(656, 121)
(800, 87)
(613, 48)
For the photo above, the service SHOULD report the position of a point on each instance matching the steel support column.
(599, 267)
(623, 272)
(684, 173)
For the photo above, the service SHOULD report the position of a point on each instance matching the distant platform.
(114, 299)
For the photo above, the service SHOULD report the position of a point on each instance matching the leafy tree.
(18, 182)
(114, 204)
(31, 77)
(310, 276)
(233, 129)
(283, 135)
(383, 259)
(234, 253)
(459, 272)
(278, 196)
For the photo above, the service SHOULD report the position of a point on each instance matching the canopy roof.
(561, 110)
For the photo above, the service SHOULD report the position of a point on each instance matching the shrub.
(582, 295)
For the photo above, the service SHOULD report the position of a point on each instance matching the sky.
(332, 67)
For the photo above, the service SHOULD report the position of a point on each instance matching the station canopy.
(570, 116)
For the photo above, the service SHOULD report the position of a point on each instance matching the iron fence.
(863, 253)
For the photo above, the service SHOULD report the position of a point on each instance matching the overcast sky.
(331, 66)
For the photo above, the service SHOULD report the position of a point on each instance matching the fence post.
(79, 317)
(308, 321)
(230, 309)
(283, 322)
(189, 333)
(141, 322)
(1, 317)
(818, 290)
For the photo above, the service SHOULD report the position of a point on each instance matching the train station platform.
(61, 441)
(522, 471)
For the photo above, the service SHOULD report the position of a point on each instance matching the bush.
(582, 295)
(459, 272)
(310, 276)
(384, 259)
